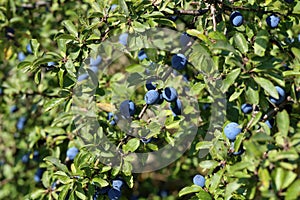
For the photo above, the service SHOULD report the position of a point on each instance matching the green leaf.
(261, 42)
(268, 86)
(208, 164)
(132, 145)
(229, 80)
(240, 42)
(231, 188)
(252, 96)
(35, 46)
(283, 122)
(63, 177)
(37, 194)
(56, 162)
(203, 195)
(70, 68)
(52, 103)
(296, 52)
(236, 94)
(293, 192)
(70, 27)
(24, 64)
(124, 7)
(189, 190)
(101, 182)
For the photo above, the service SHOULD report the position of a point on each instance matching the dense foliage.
(85, 86)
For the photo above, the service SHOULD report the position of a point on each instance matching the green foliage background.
(251, 60)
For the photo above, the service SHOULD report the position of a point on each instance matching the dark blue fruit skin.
(112, 118)
(72, 152)
(127, 108)
(25, 158)
(273, 21)
(170, 94)
(289, 1)
(145, 140)
(176, 107)
(131, 108)
(13, 109)
(270, 122)
(117, 184)
(123, 38)
(151, 97)
(100, 191)
(185, 39)
(21, 56)
(281, 94)
(231, 130)
(150, 85)
(95, 61)
(160, 99)
(9, 33)
(142, 55)
(199, 180)
(38, 174)
(21, 122)
(246, 108)
(236, 18)
(179, 61)
(114, 194)
(29, 49)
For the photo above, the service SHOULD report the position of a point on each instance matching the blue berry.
(170, 94)
(281, 94)
(179, 61)
(185, 39)
(123, 38)
(38, 174)
(96, 61)
(270, 123)
(273, 21)
(236, 18)
(29, 49)
(112, 118)
(113, 7)
(127, 108)
(150, 85)
(36, 155)
(9, 32)
(117, 184)
(114, 194)
(13, 109)
(176, 107)
(50, 64)
(231, 130)
(25, 158)
(151, 97)
(21, 122)
(21, 56)
(289, 1)
(145, 140)
(160, 100)
(72, 152)
(199, 180)
(246, 108)
(142, 55)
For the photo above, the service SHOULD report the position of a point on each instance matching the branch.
(213, 14)
(191, 12)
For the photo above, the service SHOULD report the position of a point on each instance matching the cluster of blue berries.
(232, 129)
(113, 192)
(237, 19)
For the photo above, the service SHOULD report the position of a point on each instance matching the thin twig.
(213, 14)
(191, 12)
(143, 111)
